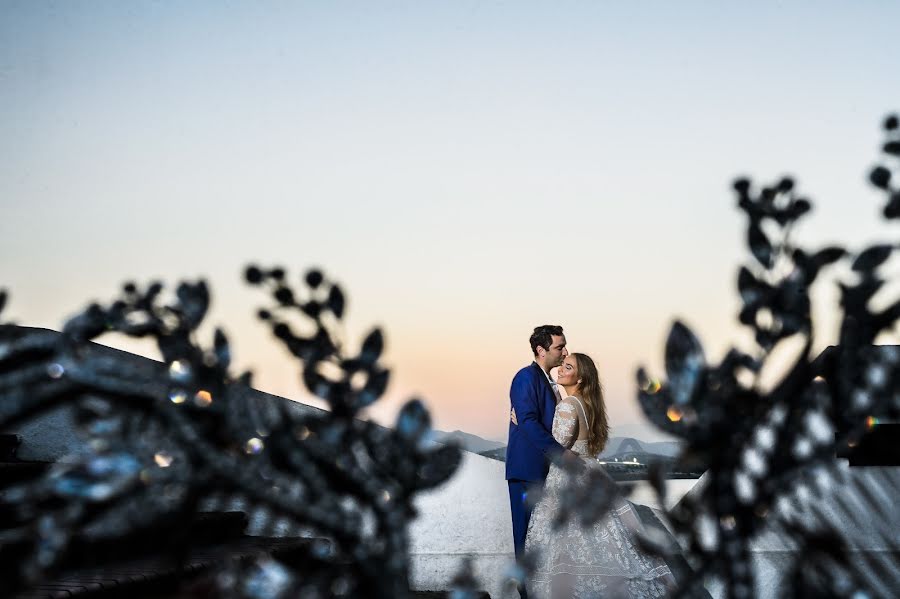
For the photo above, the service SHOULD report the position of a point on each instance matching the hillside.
(466, 441)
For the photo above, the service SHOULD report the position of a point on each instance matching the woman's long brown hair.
(594, 407)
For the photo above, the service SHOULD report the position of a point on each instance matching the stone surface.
(467, 517)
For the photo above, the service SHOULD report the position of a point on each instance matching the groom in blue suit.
(531, 446)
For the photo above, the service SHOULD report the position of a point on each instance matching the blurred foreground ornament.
(762, 447)
(157, 448)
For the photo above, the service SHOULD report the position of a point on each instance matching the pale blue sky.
(467, 169)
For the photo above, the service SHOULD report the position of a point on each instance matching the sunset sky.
(466, 170)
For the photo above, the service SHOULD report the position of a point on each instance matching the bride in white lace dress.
(601, 560)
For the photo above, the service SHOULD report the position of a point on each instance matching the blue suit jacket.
(531, 447)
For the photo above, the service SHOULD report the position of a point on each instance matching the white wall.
(467, 516)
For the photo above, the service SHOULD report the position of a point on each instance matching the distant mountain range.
(666, 448)
(466, 441)
(497, 450)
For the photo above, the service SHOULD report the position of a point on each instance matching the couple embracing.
(552, 424)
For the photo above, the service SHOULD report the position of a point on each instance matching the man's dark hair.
(543, 336)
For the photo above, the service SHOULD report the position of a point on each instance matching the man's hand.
(572, 462)
(570, 457)
(512, 417)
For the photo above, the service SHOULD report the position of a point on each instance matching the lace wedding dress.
(601, 560)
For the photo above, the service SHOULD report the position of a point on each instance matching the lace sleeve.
(565, 423)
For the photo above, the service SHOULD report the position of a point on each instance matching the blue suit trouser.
(521, 511)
